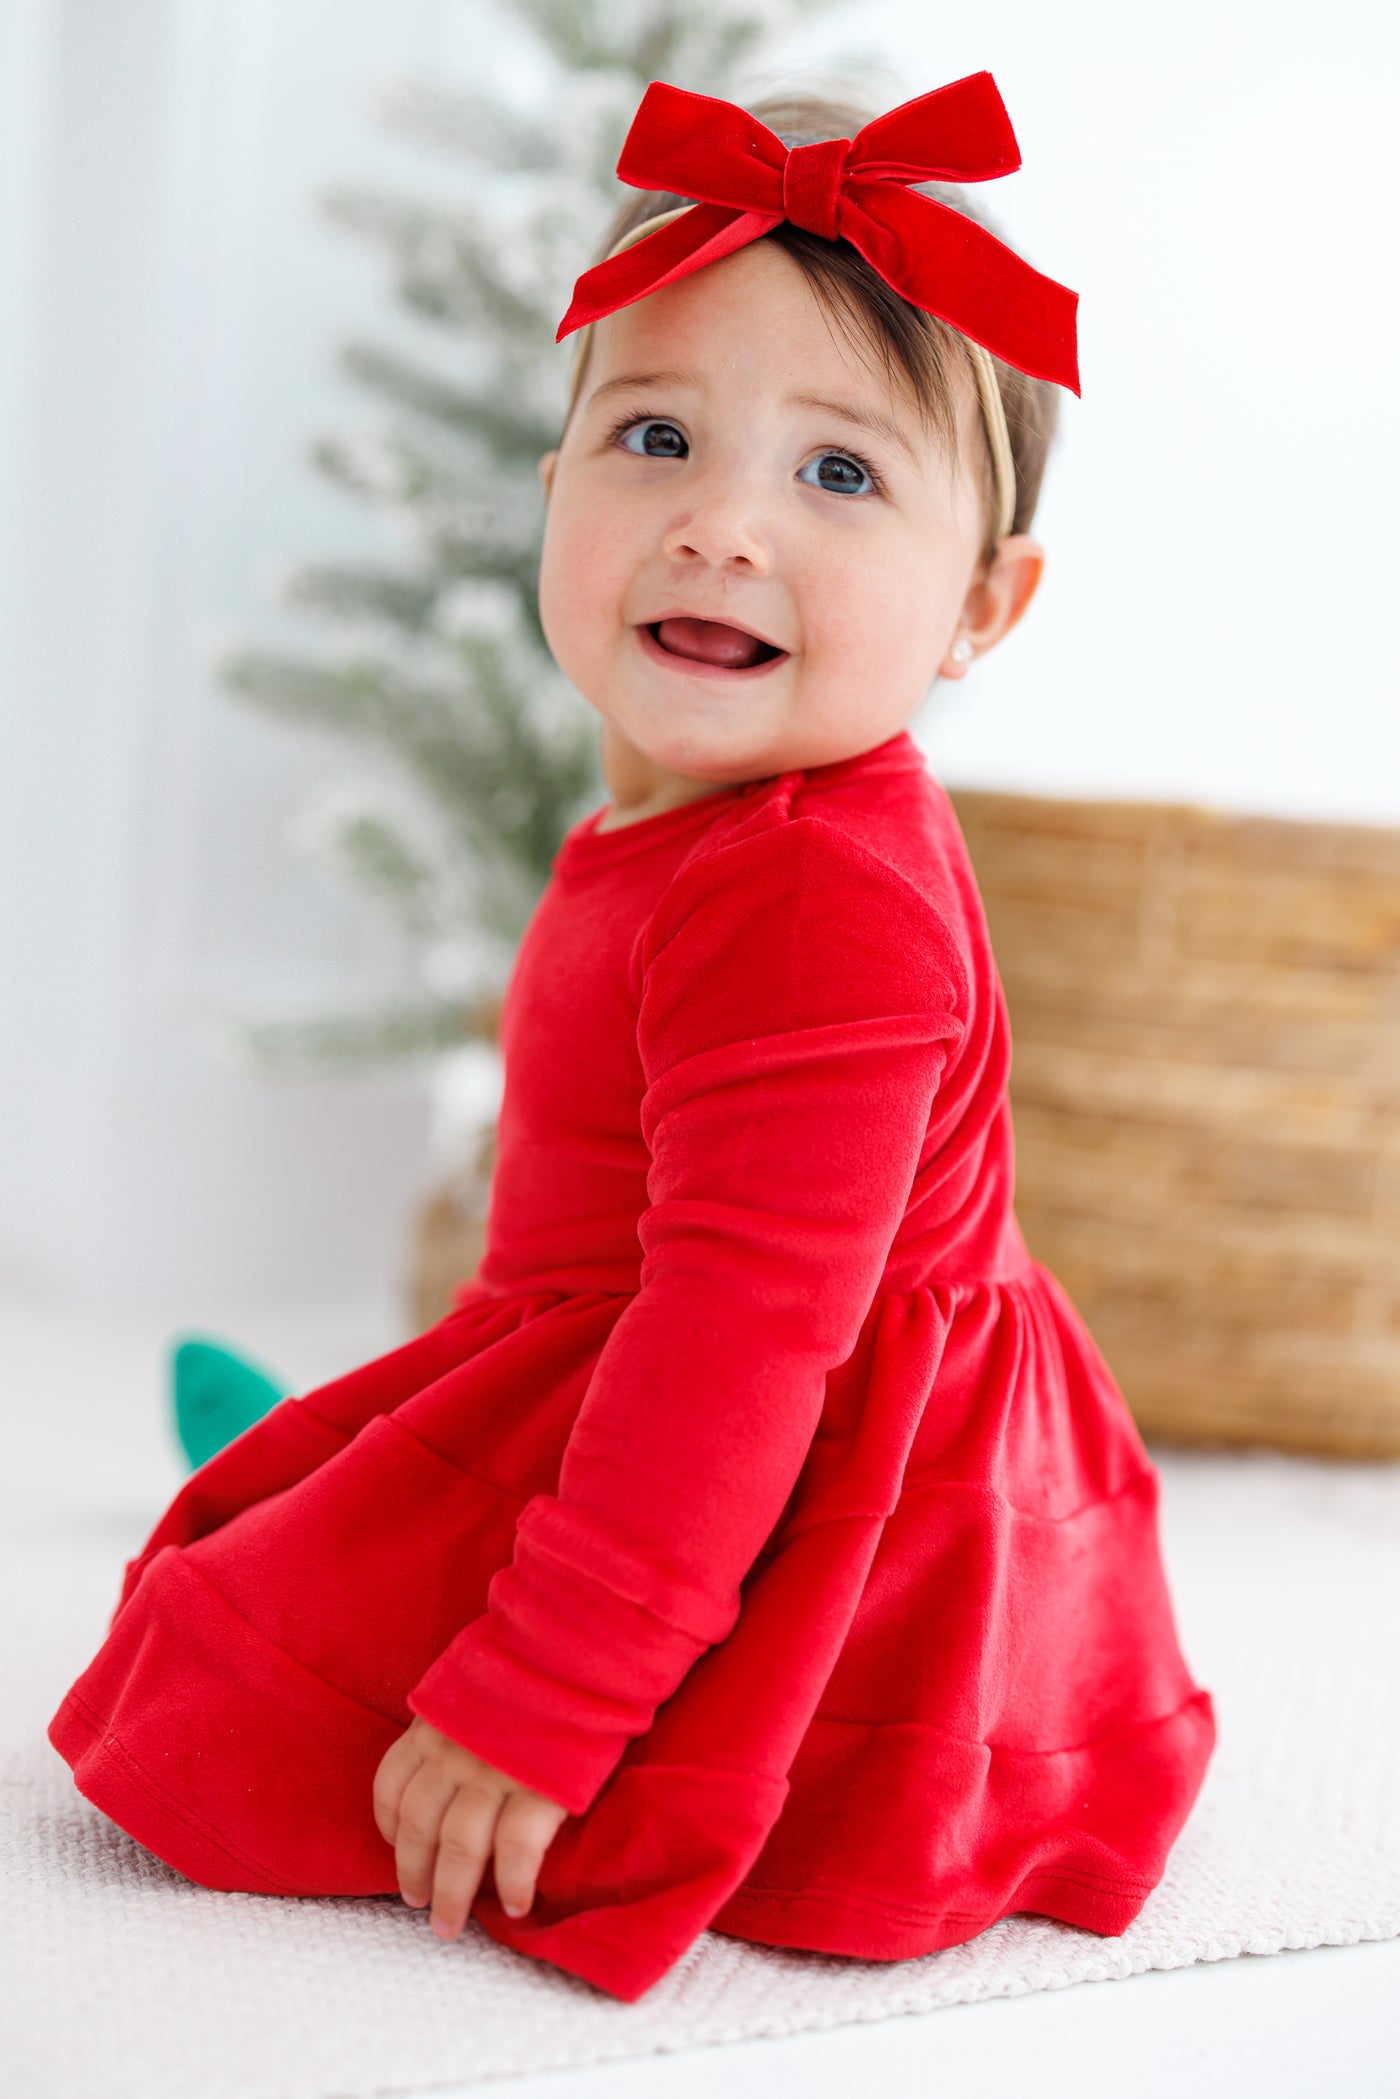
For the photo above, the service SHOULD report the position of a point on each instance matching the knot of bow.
(746, 181)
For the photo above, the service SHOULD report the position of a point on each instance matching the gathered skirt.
(954, 1689)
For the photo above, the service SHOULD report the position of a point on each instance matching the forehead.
(754, 320)
(753, 310)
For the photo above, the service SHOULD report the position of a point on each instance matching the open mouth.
(709, 647)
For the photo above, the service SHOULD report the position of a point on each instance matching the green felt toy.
(216, 1394)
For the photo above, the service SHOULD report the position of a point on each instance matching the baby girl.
(761, 1542)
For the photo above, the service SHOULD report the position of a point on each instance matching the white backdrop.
(1213, 624)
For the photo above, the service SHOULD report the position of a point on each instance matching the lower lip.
(652, 647)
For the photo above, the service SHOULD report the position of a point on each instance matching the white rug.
(121, 1978)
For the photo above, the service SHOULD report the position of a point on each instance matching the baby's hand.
(446, 1813)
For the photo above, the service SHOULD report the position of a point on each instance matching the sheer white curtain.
(166, 333)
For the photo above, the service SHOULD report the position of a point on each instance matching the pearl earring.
(962, 650)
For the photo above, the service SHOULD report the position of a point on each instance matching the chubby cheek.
(583, 574)
(872, 625)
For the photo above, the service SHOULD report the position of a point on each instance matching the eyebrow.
(850, 411)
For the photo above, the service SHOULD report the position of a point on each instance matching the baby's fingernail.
(515, 1909)
(443, 1929)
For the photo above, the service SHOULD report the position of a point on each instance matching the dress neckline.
(584, 845)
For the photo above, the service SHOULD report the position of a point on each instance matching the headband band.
(988, 388)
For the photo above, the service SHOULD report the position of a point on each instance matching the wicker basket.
(1206, 1090)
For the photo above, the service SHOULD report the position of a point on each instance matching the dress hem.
(107, 1775)
(809, 1921)
(862, 1930)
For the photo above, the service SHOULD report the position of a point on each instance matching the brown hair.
(909, 342)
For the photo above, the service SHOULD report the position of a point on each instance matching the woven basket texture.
(1205, 1010)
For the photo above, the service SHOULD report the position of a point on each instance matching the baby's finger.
(524, 1833)
(464, 1846)
(421, 1808)
(396, 1767)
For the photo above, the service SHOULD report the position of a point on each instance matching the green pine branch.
(355, 1041)
(472, 126)
(443, 259)
(448, 490)
(362, 590)
(466, 746)
(498, 421)
(367, 843)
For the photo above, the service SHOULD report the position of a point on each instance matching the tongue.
(709, 641)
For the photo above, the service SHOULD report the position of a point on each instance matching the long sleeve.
(798, 1001)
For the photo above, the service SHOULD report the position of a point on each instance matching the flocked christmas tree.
(438, 658)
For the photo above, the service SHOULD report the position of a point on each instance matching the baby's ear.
(547, 471)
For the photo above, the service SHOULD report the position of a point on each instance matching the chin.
(716, 758)
(688, 743)
(706, 766)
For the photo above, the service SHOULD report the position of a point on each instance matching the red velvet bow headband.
(746, 181)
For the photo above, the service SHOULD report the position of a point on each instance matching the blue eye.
(659, 440)
(841, 473)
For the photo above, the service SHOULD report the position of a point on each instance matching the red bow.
(747, 181)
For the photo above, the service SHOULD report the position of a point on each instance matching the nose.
(720, 521)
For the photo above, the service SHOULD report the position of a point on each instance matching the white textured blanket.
(124, 1979)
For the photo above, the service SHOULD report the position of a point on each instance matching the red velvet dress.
(761, 1500)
